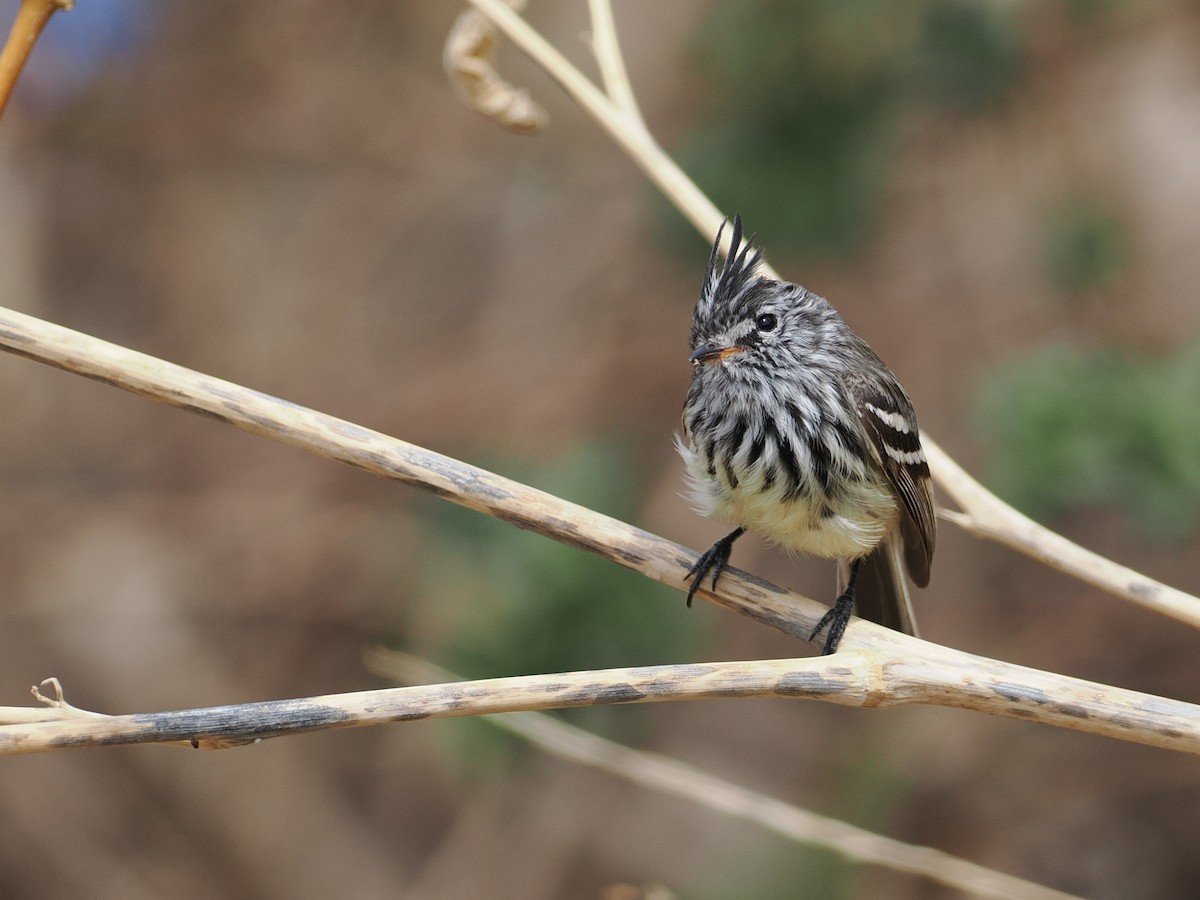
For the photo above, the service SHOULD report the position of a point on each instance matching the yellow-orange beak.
(707, 353)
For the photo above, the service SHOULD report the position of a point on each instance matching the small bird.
(795, 430)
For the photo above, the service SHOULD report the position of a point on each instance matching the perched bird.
(795, 430)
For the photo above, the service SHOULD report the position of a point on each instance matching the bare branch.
(884, 668)
(32, 17)
(637, 142)
(989, 516)
(986, 515)
(670, 776)
(607, 50)
(876, 667)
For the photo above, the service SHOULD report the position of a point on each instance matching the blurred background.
(1002, 198)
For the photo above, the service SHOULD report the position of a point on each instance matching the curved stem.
(32, 17)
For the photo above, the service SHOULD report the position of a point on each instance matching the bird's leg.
(838, 616)
(714, 560)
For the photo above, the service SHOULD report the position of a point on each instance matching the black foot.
(714, 560)
(837, 619)
(839, 614)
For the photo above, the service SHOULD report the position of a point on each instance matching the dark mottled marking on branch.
(1074, 710)
(1142, 590)
(15, 337)
(1022, 694)
(245, 721)
(207, 413)
(561, 530)
(1133, 724)
(635, 558)
(600, 694)
(471, 481)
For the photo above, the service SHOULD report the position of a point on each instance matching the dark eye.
(766, 322)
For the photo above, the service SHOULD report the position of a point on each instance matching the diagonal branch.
(875, 667)
(334, 438)
(986, 515)
(671, 776)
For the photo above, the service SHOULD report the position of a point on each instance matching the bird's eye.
(766, 322)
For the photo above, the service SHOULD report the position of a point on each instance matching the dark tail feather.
(881, 592)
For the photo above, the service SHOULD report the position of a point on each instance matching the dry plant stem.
(875, 667)
(635, 140)
(32, 17)
(882, 669)
(989, 516)
(670, 776)
(986, 515)
(608, 55)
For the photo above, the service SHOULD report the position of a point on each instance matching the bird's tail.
(881, 592)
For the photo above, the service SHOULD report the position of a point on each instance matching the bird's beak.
(707, 353)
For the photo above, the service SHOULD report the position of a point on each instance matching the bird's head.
(747, 322)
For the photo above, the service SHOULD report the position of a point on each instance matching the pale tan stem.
(670, 776)
(637, 142)
(884, 668)
(607, 50)
(986, 515)
(32, 17)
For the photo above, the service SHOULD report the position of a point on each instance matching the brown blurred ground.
(288, 195)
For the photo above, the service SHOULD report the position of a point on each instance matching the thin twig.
(607, 51)
(986, 515)
(670, 776)
(32, 17)
(992, 517)
(637, 142)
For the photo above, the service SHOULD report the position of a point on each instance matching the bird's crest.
(724, 288)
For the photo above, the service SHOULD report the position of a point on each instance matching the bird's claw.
(837, 618)
(714, 560)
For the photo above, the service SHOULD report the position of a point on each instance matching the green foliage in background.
(522, 604)
(1071, 429)
(809, 94)
(969, 55)
(1085, 249)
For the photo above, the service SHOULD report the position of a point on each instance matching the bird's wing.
(887, 416)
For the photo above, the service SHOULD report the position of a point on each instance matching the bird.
(795, 430)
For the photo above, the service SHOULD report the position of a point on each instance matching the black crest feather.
(723, 288)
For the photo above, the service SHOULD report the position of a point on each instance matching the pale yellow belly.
(851, 527)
